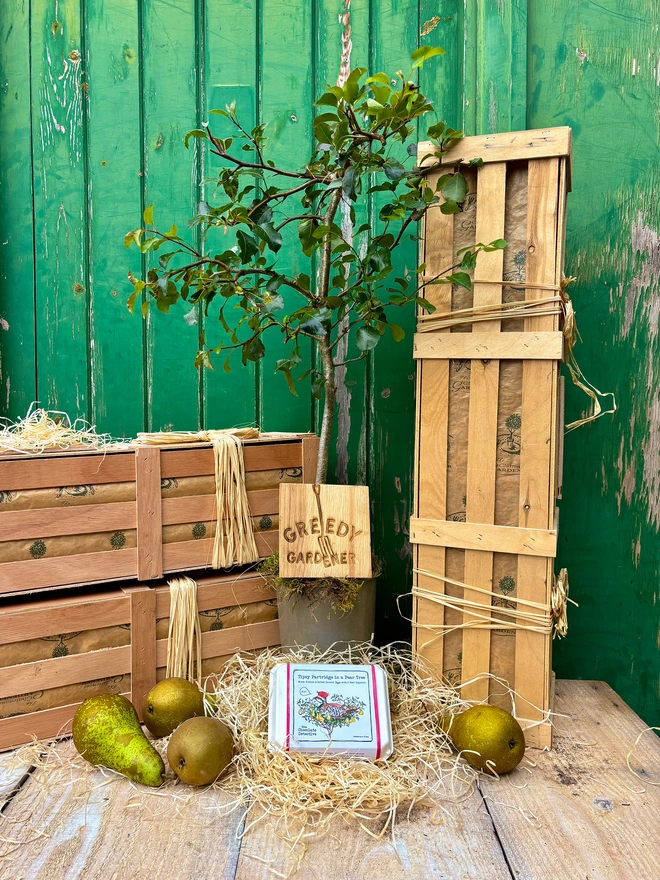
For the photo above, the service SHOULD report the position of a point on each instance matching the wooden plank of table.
(13, 772)
(432, 418)
(482, 425)
(595, 819)
(100, 826)
(149, 513)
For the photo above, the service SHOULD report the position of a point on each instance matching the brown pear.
(200, 750)
(169, 703)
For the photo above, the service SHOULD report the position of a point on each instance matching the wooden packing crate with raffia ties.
(56, 650)
(489, 426)
(78, 517)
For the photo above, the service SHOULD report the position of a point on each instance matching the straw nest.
(43, 431)
(303, 793)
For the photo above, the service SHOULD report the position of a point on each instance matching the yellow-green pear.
(107, 731)
(169, 703)
(489, 738)
(200, 750)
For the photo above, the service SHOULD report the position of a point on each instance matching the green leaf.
(289, 381)
(196, 133)
(349, 182)
(462, 279)
(498, 245)
(327, 100)
(373, 107)
(226, 366)
(419, 56)
(381, 78)
(148, 215)
(424, 303)
(450, 207)
(398, 333)
(268, 234)
(367, 338)
(272, 305)
(393, 169)
(476, 163)
(334, 302)
(306, 236)
(247, 246)
(455, 189)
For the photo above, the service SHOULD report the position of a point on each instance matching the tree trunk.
(330, 397)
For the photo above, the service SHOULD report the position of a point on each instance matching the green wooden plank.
(18, 380)
(442, 81)
(171, 183)
(116, 353)
(395, 34)
(594, 67)
(60, 205)
(230, 75)
(286, 105)
(349, 451)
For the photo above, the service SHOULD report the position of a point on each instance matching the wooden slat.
(475, 536)
(259, 457)
(539, 383)
(508, 146)
(518, 346)
(202, 508)
(227, 641)
(149, 514)
(48, 522)
(198, 554)
(569, 790)
(430, 482)
(62, 671)
(482, 423)
(143, 644)
(232, 591)
(68, 615)
(39, 472)
(33, 574)
(310, 454)
(46, 724)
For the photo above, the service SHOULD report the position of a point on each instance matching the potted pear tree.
(365, 142)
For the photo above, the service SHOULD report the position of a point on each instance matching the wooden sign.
(324, 530)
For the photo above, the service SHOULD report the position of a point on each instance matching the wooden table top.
(579, 814)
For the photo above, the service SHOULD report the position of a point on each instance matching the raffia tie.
(184, 639)
(560, 304)
(527, 615)
(234, 542)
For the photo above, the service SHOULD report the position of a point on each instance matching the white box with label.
(330, 708)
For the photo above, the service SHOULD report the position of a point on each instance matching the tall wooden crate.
(488, 427)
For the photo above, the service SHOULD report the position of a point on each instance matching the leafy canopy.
(361, 134)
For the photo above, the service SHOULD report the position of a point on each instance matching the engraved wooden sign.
(324, 530)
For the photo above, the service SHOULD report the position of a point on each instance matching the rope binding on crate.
(184, 639)
(520, 613)
(560, 304)
(234, 542)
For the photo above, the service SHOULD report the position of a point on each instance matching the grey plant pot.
(322, 627)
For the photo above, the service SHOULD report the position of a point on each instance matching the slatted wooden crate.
(57, 650)
(138, 512)
(487, 437)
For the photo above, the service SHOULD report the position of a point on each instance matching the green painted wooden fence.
(95, 98)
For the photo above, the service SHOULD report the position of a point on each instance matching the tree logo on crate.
(510, 442)
(216, 614)
(169, 483)
(198, 530)
(7, 497)
(75, 491)
(507, 586)
(265, 523)
(60, 649)
(330, 712)
(117, 540)
(287, 474)
(38, 549)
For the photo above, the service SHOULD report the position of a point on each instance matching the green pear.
(107, 731)
(169, 703)
(200, 750)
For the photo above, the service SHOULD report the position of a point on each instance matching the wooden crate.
(70, 647)
(487, 465)
(77, 517)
